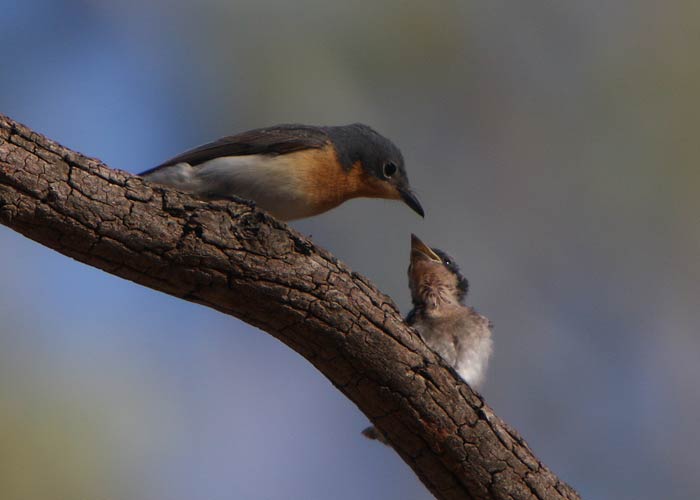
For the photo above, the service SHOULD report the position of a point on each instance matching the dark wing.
(280, 139)
(411, 316)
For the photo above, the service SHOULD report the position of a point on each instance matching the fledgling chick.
(293, 171)
(455, 331)
(460, 335)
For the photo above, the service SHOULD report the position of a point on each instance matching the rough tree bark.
(237, 260)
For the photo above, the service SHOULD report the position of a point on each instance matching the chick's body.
(460, 335)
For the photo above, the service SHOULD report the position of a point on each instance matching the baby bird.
(293, 171)
(455, 331)
(460, 335)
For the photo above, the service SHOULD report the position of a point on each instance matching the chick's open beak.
(420, 250)
(411, 200)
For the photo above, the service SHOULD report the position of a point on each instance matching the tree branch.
(237, 260)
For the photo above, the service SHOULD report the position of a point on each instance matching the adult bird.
(292, 171)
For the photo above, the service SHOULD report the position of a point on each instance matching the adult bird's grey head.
(293, 171)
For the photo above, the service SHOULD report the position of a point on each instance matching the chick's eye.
(389, 169)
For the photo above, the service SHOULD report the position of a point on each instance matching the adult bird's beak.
(421, 250)
(410, 199)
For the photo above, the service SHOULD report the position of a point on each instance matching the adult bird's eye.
(389, 169)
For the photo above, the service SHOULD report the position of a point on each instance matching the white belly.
(462, 338)
(266, 180)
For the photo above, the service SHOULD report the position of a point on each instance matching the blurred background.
(553, 146)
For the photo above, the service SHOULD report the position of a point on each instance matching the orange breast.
(327, 184)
